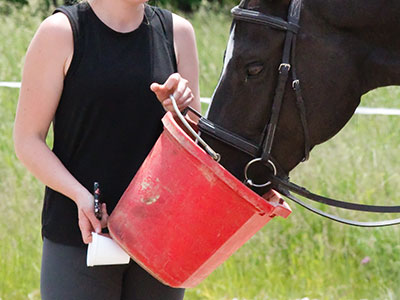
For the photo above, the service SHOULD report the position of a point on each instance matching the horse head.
(343, 49)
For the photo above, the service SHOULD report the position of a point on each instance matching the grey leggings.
(65, 276)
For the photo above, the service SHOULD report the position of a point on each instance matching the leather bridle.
(262, 152)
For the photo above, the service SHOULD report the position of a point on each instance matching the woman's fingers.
(95, 223)
(155, 87)
(172, 82)
(182, 102)
(104, 217)
(178, 87)
(87, 220)
(185, 99)
(86, 228)
(181, 106)
(186, 102)
(163, 91)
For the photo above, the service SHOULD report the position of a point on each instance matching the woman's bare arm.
(185, 84)
(46, 62)
(186, 54)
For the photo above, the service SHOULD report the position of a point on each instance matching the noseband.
(262, 152)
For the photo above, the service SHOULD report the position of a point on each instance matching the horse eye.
(254, 69)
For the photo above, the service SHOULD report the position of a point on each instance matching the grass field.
(303, 256)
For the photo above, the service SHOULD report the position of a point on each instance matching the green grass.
(303, 256)
(20, 193)
(212, 30)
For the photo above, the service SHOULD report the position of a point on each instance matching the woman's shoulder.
(179, 23)
(53, 41)
(182, 26)
(57, 26)
(64, 22)
(183, 31)
(55, 31)
(184, 39)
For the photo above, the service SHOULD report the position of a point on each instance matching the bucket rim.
(260, 203)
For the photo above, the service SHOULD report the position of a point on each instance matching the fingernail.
(98, 230)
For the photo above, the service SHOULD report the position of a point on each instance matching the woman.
(96, 70)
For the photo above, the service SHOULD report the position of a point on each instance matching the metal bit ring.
(250, 182)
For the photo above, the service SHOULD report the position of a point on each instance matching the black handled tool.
(97, 204)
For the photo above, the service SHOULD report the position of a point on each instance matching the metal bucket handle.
(216, 156)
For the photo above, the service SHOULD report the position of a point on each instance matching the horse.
(293, 75)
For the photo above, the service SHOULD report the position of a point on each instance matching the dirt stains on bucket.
(150, 190)
(150, 200)
(149, 183)
(208, 175)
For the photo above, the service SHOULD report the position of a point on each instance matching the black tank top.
(107, 119)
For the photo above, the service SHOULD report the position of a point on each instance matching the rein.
(262, 152)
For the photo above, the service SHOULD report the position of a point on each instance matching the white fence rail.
(10, 84)
(360, 110)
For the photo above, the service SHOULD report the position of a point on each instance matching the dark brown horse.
(340, 50)
(344, 49)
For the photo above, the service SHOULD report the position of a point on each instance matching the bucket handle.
(216, 156)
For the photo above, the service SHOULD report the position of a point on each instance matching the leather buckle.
(295, 84)
(284, 65)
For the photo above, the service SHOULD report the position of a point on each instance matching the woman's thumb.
(155, 87)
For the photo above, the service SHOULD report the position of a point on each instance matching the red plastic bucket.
(183, 214)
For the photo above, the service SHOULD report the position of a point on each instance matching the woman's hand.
(178, 87)
(88, 222)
